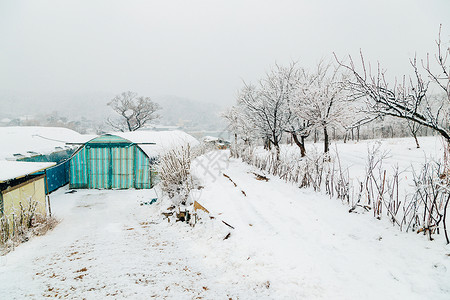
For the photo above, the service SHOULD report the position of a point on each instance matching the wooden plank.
(198, 206)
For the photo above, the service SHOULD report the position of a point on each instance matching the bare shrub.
(424, 210)
(5, 232)
(175, 176)
(337, 181)
(44, 226)
(21, 225)
(305, 171)
(431, 198)
(379, 187)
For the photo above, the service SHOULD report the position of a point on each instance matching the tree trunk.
(277, 150)
(129, 125)
(325, 140)
(300, 144)
(235, 146)
(445, 220)
(417, 141)
(277, 147)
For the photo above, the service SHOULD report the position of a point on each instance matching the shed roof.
(23, 141)
(15, 169)
(109, 139)
(164, 140)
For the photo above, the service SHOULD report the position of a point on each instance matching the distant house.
(157, 127)
(41, 144)
(22, 188)
(216, 142)
(5, 122)
(122, 160)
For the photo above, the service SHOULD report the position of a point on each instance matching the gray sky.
(199, 49)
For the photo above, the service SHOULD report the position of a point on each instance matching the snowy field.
(287, 243)
(401, 152)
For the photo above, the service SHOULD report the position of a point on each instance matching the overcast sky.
(200, 50)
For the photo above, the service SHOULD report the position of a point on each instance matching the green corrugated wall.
(79, 170)
(110, 162)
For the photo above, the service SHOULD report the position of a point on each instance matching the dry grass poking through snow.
(13, 232)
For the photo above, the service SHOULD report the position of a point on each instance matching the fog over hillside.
(182, 111)
(176, 111)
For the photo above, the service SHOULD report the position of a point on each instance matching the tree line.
(291, 100)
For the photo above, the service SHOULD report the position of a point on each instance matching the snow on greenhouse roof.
(16, 169)
(164, 140)
(23, 141)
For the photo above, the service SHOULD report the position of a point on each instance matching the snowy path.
(105, 246)
(308, 246)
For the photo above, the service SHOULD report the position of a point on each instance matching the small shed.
(22, 187)
(110, 161)
(122, 160)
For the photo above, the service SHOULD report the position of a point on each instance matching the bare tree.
(241, 126)
(441, 77)
(135, 111)
(407, 99)
(266, 105)
(288, 100)
(320, 100)
(299, 129)
(414, 129)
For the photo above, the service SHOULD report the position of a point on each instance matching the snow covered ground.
(107, 245)
(308, 246)
(399, 151)
(287, 243)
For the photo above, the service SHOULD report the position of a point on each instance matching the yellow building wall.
(26, 194)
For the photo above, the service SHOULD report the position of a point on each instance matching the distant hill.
(93, 106)
(189, 113)
(73, 105)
